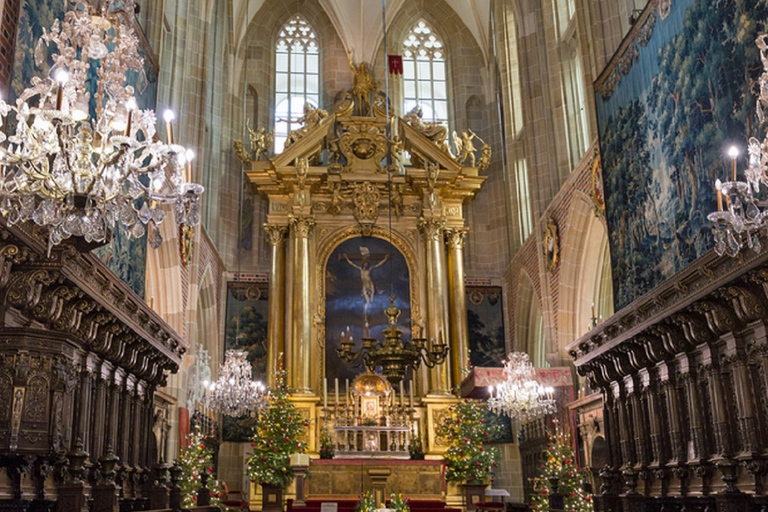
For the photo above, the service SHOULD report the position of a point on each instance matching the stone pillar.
(457, 304)
(432, 231)
(301, 334)
(276, 316)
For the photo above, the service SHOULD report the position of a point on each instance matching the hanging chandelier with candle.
(77, 164)
(235, 392)
(740, 218)
(520, 396)
(394, 355)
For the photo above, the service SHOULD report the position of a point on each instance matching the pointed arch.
(585, 273)
(163, 279)
(529, 322)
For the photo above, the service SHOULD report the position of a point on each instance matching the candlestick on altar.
(325, 397)
(336, 384)
(402, 396)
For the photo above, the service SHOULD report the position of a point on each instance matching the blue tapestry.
(125, 257)
(360, 276)
(246, 329)
(668, 107)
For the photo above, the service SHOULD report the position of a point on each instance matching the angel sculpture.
(465, 149)
(261, 141)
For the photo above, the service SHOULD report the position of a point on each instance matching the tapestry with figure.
(678, 92)
(485, 322)
(246, 329)
(360, 276)
(124, 255)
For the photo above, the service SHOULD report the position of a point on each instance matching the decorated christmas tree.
(276, 436)
(468, 458)
(194, 460)
(560, 464)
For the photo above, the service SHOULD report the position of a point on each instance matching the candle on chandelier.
(593, 310)
(190, 155)
(169, 116)
(131, 106)
(733, 152)
(61, 77)
(718, 187)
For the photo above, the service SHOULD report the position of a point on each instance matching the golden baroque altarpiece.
(346, 175)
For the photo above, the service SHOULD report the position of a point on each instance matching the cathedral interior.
(380, 206)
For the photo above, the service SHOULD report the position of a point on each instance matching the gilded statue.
(311, 118)
(485, 158)
(241, 153)
(261, 141)
(364, 84)
(465, 149)
(436, 132)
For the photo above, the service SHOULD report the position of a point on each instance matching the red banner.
(395, 64)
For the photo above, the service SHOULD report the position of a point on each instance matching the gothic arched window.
(297, 76)
(424, 80)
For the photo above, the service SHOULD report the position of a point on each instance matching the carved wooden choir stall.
(683, 374)
(81, 357)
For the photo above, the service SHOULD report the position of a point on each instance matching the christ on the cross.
(365, 268)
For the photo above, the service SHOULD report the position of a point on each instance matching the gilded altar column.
(301, 334)
(457, 303)
(432, 231)
(276, 315)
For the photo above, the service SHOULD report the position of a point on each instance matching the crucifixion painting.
(360, 274)
(365, 267)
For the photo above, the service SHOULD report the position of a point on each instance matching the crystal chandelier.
(235, 392)
(519, 395)
(77, 164)
(739, 223)
(393, 355)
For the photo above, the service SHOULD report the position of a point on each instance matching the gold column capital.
(432, 229)
(275, 234)
(301, 226)
(455, 237)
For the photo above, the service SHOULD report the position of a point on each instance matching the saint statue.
(436, 132)
(363, 86)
